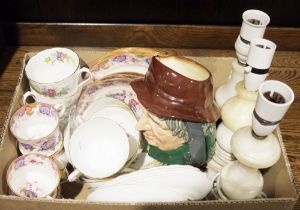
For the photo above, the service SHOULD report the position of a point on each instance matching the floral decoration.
(57, 56)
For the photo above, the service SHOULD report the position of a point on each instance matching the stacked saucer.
(222, 154)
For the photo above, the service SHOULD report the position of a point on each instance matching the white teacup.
(33, 176)
(35, 123)
(56, 72)
(98, 148)
(119, 112)
(268, 112)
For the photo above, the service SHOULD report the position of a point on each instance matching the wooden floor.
(285, 67)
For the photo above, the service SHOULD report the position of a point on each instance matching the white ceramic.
(267, 113)
(43, 99)
(119, 112)
(237, 111)
(254, 152)
(116, 86)
(259, 61)
(254, 26)
(33, 176)
(47, 148)
(55, 193)
(238, 181)
(60, 159)
(62, 103)
(56, 72)
(226, 91)
(223, 137)
(35, 123)
(223, 154)
(98, 148)
(158, 184)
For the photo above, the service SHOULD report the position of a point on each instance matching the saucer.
(27, 148)
(134, 60)
(117, 86)
(223, 136)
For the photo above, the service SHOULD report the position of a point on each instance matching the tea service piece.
(115, 86)
(98, 148)
(223, 137)
(63, 104)
(33, 176)
(163, 183)
(120, 113)
(56, 72)
(134, 60)
(35, 123)
(47, 148)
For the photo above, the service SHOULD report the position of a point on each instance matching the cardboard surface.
(278, 179)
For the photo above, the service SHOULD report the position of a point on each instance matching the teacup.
(33, 176)
(35, 123)
(98, 148)
(56, 72)
(119, 112)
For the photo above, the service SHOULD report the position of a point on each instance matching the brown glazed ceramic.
(168, 93)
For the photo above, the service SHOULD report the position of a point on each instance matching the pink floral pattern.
(58, 56)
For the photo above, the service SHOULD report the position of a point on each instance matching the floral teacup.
(35, 123)
(56, 72)
(33, 176)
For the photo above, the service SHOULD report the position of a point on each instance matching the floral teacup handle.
(59, 107)
(87, 79)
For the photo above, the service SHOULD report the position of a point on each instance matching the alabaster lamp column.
(237, 111)
(256, 146)
(253, 26)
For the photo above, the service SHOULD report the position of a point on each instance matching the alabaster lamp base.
(254, 151)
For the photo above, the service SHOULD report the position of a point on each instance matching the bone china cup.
(35, 123)
(56, 72)
(33, 176)
(98, 148)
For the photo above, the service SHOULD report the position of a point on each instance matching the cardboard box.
(279, 184)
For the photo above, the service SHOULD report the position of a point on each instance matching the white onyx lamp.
(237, 111)
(238, 181)
(254, 151)
(227, 90)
